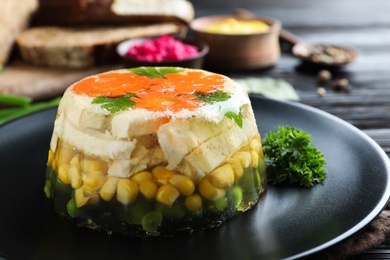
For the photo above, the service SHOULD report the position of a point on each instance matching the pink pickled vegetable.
(163, 48)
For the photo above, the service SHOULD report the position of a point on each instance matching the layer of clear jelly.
(154, 202)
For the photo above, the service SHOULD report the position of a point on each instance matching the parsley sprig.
(238, 118)
(115, 104)
(220, 96)
(293, 158)
(210, 98)
(153, 72)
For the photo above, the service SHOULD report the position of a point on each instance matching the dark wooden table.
(362, 24)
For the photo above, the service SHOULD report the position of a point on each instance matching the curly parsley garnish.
(115, 104)
(293, 158)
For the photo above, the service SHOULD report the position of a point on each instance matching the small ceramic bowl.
(195, 62)
(239, 51)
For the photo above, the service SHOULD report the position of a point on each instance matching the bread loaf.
(82, 47)
(74, 12)
(14, 17)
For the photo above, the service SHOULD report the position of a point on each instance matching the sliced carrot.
(169, 101)
(174, 92)
(112, 84)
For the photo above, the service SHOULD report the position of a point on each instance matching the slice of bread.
(14, 18)
(82, 47)
(73, 12)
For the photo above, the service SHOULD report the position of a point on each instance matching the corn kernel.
(148, 188)
(50, 158)
(255, 145)
(261, 153)
(74, 175)
(223, 176)
(90, 165)
(162, 174)
(66, 153)
(255, 158)
(80, 198)
(108, 189)
(65, 145)
(63, 174)
(93, 196)
(54, 164)
(75, 161)
(193, 202)
(258, 138)
(141, 177)
(183, 183)
(210, 192)
(245, 148)
(127, 191)
(237, 168)
(244, 158)
(94, 180)
(167, 194)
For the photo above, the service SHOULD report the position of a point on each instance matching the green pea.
(246, 182)
(196, 213)
(138, 209)
(152, 221)
(262, 169)
(235, 197)
(60, 187)
(47, 189)
(176, 211)
(257, 180)
(221, 204)
(49, 173)
(71, 208)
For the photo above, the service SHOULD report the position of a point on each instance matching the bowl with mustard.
(238, 42)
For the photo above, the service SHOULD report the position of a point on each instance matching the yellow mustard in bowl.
(235, 26)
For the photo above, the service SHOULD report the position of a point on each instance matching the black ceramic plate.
(288, 222)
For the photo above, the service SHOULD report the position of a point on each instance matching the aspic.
(154, 151)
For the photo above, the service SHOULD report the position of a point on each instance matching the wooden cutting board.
(42, 83)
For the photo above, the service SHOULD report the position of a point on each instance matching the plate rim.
(364, 222)
(379, 207)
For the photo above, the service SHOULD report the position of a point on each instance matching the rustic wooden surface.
(362, 24)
